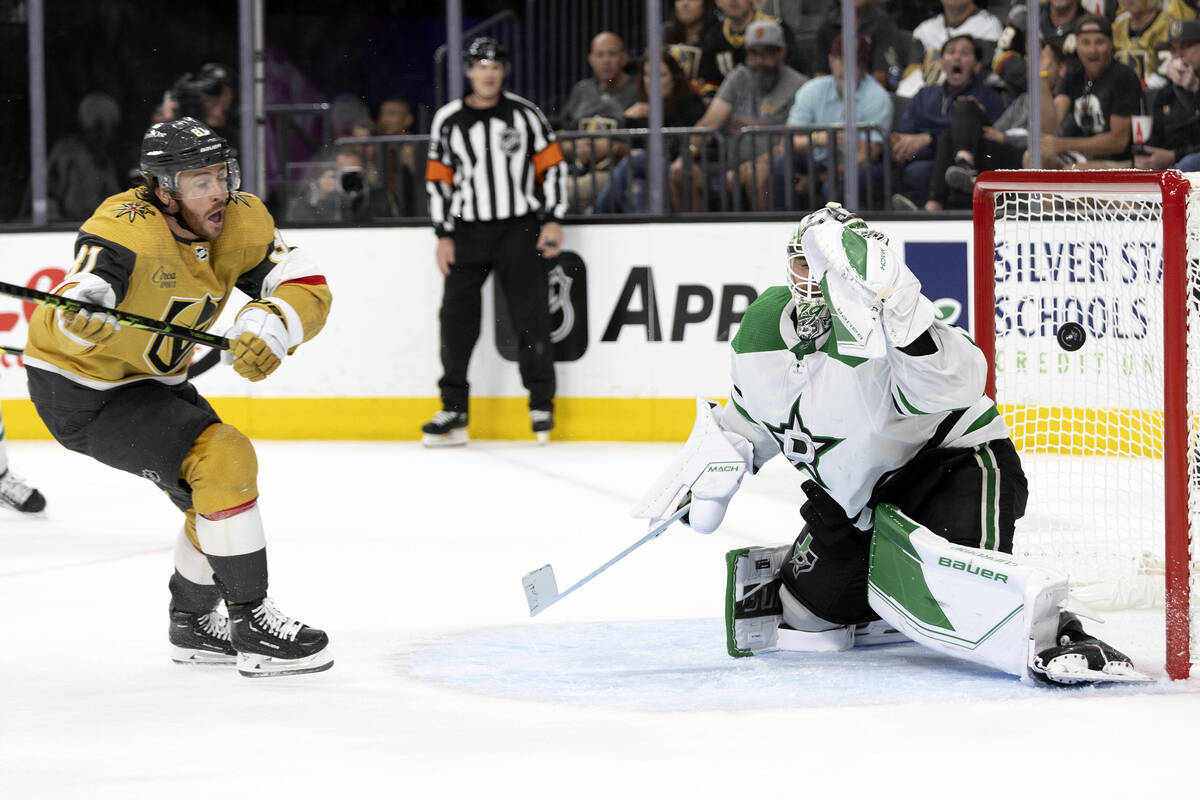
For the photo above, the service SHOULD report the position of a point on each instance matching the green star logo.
(799, 445)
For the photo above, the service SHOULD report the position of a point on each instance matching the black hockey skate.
(542, 422)
(201, 638)
(1079, 658)
(446, 429)
(18, 495)
(269, 643)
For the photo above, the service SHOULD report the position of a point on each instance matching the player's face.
(486, 78)
(798, 266)
(1095, 51)
(202, 196)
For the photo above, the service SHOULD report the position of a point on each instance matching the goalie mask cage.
(1106, 428)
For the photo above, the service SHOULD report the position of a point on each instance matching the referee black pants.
(509, 248)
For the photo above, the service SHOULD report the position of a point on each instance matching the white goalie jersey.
(848, 420)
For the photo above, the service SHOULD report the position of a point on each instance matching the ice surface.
(443, 686)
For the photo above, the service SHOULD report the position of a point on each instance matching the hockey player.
(14, 492)
(174, 249)
(913, 486)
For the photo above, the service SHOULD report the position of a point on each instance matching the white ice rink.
(443, 687)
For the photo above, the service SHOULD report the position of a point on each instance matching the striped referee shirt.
(493, 164)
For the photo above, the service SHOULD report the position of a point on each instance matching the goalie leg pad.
(982, 606)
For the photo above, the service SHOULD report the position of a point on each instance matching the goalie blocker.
(983, 606)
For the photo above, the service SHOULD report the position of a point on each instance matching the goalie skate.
(1082, 659)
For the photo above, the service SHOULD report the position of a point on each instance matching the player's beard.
(203, 224)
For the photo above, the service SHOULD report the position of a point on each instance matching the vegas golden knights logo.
(166, 353)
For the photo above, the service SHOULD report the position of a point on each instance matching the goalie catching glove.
(260, 338)
(88, 328)
(873, 275)
(706, 473)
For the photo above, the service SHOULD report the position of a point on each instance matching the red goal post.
(1109, 250)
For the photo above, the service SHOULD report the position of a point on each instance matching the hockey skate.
(1081, 659)
(269, 643)
(542, 422)
(201, 638)
(18, 495)
(446, 429)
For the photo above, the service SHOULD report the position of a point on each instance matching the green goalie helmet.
(812, 315)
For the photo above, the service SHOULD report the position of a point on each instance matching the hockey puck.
(1071, 336)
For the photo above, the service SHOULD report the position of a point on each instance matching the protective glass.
(209, 181)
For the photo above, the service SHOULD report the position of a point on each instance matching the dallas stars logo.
(236, 197)
(799, 445)
(134, 210)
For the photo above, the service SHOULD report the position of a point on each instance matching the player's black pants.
(969, 496)
(508, 248)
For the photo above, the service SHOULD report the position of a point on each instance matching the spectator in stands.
(401, 192)
(1140, 41)
(207, 96)
(759, 92)
(81, 167)
(972, 145)
(596, 104)
(958, 17)
(929, 115)
(1056, 24)
(341, 194)
(1095, 103)
(819, 102)
(1175, 135)
(684, 32)
(682, 107)
(723, 47)
(873, 23)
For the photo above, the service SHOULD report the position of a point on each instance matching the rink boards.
(642, 320)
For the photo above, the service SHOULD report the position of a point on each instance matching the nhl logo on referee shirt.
(510, 141)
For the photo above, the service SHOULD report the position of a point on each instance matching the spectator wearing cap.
(1095, 104)
(759, 92)
(1175, 134)
(723, 46)
(820, 102)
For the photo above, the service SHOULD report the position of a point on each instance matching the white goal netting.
(1089, 422)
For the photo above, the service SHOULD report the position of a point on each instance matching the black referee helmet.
(484, 48)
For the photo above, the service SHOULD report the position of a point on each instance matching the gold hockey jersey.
(128, 244)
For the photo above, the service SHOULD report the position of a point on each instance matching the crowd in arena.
(941, 96)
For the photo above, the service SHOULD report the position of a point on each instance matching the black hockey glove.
(828, 523)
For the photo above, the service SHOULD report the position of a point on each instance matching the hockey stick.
(12, 351)
(137, 321)
(541, 590)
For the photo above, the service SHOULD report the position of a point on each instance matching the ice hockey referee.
(497, 191)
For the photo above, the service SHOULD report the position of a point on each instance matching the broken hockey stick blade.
(193, 335)
(541, 589)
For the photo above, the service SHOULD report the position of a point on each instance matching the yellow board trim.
(400, 418)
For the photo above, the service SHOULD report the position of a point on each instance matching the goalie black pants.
(507, 248)
(969, 496)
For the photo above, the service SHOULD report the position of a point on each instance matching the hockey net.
(1108, 431)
